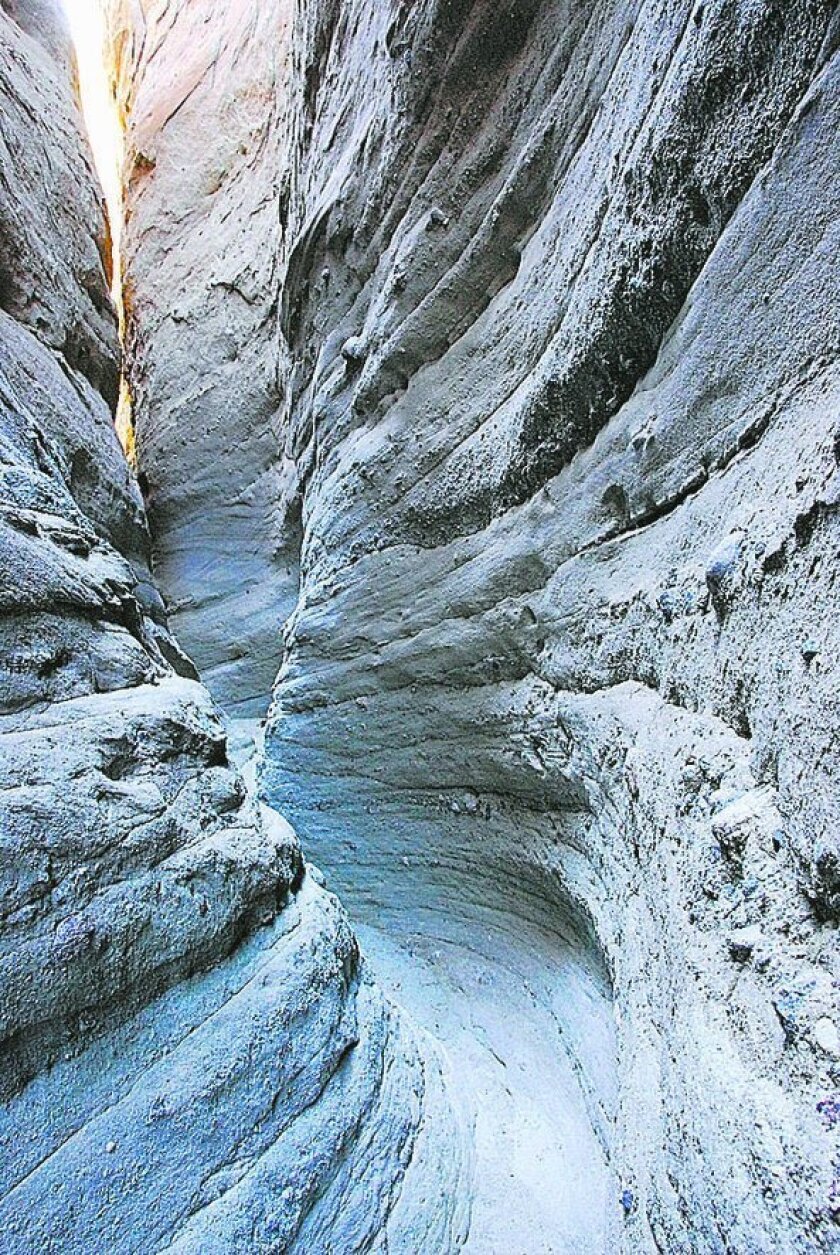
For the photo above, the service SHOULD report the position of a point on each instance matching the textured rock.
(484, 360)
(193, 1055)
(201, 284)
(53, 234)
(557, 295)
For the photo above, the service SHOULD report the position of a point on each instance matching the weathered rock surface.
(202, 299)
(54, 249)
(549, 309)
(193, 1055)
(484, 360)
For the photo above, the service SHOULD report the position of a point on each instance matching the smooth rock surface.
(204, 198)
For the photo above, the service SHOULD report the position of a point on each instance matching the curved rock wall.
(557, 298)
(563, 306)
(484, 360)
(182, 1008)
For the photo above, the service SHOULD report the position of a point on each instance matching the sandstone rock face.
(549, 302)
(193, 1055)
(484, 362)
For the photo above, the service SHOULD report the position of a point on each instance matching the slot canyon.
(420, 731)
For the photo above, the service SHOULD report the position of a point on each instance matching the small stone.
(110, 1147)
(668, 605)
(791, 1007)
(743, 942)
(722, 572)
(809, 651)
(827, 1037)
(437, 219)
(642, 437)
(354, 350)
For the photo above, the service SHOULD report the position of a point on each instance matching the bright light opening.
(87, 26)
(105, 133)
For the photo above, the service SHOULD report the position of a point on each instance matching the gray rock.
(529, 682)
(354, 351)
(744, 942)
(192, 1051)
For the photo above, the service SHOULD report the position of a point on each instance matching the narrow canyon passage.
(462, 474)
(527, 1028)
(419, 756)
(502, 977)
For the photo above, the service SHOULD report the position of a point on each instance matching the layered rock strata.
(193, 1055)
(546, 294)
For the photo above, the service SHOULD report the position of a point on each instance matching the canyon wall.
(182, 1006)
(203, 211)
(484, 368)
(543, 298)
(561, 301)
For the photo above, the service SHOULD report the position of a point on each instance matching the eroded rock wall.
(206, 201)
(562, 303)
(547, 296)
(192, 1056)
